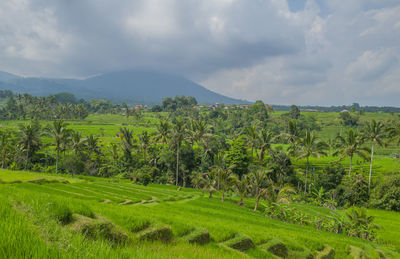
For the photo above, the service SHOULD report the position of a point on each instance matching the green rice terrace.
(44, 216)
(103, 180)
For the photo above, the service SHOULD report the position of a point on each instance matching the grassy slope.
(27, 214)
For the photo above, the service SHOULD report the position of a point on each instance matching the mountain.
(133, 86)
(4, 76)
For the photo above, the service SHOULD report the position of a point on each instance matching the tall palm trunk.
(58, 156)
(177, 165)
(256, 205)
(370, 168)
(351, 163)
(305, 186)
(27, 156)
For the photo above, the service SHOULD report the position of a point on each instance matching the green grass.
(43, 214)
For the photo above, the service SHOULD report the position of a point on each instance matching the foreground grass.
(37, 222)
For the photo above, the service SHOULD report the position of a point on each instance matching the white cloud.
(332, 52)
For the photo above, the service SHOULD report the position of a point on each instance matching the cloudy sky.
(320, 52)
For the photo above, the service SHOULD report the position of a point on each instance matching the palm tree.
(252, 138)
(225, 181)
(127, 142)
(209, 183)
(178, 135)
(292, 135)
(5, 147)
(349, 145)
(282, 195)
(259, 183)
(394, 131)
(373, 131)
(30, 139)
(241, 187)
(77, 142)
(58, 130)
(144, 138)
(311, 146)
(265, 139)
(92, 145)
(163, 131)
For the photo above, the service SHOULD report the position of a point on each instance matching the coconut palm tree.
(259, 183)
(177, 136)
(264, 144)
(209, 183)
(163, 131)
(92, 146)
(77, 142)
(58, 130)
(30, 139)
(349, 145)
(241, 188)
(310, 145)
(225, 181)
(127, 142)
(252, 138)
(374, 132)
(144, 143)
(5, 147)
(292, 135)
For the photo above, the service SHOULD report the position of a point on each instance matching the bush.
(387, 194)
(72, 164)
(330, 178)
(353, 191)
(60, 211)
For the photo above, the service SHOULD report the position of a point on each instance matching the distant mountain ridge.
(132, 86)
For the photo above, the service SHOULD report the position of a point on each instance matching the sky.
(304, 52)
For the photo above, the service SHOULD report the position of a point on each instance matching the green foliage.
(387, 194)
(353, 191)
(237, 157)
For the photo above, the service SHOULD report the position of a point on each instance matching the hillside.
(48, 216)
(133, 86)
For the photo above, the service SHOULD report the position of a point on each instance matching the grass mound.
(240, 242)
(137, 225)
(98, 228)
(199, 236)
(327, 253)
(357, 253)
(60, 211)
(44, 181)
(161, 233)
(276, 247)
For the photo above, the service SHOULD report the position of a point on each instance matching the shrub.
(60, 211)
(353, 191)
(387, 194)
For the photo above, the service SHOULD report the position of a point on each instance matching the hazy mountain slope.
(134, 86)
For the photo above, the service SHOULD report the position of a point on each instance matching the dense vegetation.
(279, 164)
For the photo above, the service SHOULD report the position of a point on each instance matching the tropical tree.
(92, 146)
(373, 132)
(310, 145)
(252, 139)
(259, 183)
(144, 143)
(30, 139)
(225, 181)
(77, 142)
(276, 196)
(209, 183)
(349, 145)
(58, 130)
(177, 136)
(241, 188)
(264, 144)
(292, 135)
(127, 142)
(163, 131)
(5, 147)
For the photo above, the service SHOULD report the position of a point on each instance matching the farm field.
(104, 218)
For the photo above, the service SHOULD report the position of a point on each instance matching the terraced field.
(111, 218)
